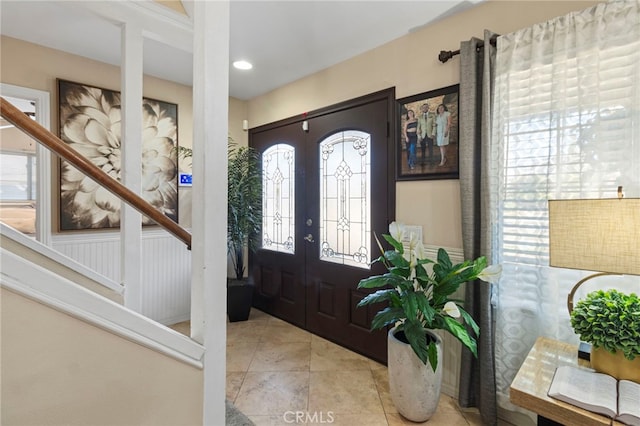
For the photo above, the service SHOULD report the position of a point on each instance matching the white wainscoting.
(167, 279)
(451, 346)
(166, 268)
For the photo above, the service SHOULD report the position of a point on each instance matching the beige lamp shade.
(595, 235)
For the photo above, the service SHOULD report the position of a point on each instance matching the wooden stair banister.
(56, 145)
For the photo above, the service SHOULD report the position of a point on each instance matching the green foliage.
(244, 207)
(417, 299)
(184, 152)
(244, 201)
(609, 320)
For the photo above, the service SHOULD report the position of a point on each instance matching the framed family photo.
(90, 122)
(427, 141)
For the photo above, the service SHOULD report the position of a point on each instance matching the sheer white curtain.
(566, 125)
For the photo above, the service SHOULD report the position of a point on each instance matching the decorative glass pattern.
(345, 198)
(278, 198)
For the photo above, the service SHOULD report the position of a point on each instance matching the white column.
(209, 217)
(131, 164)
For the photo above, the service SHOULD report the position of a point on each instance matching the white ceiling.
(285, 40)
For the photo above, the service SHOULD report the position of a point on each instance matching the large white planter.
(414, 386)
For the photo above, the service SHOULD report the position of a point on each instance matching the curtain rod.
(445, 55)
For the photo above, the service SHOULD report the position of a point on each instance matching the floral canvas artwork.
(90, 122)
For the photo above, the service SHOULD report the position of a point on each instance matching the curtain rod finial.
(445, 55)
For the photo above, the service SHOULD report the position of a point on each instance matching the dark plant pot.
(239, 299)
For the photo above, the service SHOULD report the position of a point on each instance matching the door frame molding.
(390, 95)
(385, 125)
(43, 157)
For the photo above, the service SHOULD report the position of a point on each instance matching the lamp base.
(584, 351)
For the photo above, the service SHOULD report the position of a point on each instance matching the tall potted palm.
(244, 220)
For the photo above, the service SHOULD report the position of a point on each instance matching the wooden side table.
(529, 387)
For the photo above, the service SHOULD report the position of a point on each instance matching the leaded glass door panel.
(345, 198)
(277, 267)
(349, 197)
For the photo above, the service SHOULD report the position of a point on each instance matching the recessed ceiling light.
(242, 65)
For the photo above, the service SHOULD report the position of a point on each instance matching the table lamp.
(601, 235)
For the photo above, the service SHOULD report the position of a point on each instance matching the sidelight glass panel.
(345, 198)
(278, 198)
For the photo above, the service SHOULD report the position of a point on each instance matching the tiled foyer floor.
(275, 369)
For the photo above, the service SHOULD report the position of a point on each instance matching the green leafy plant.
(184, 152)
(244, 201)
(610, 320)
(419, 300)
(244, 207)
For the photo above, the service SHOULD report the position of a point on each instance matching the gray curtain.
(477, 67)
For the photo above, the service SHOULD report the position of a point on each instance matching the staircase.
(101, 363)
(39, 254)
(72, 354)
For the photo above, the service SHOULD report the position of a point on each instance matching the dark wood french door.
(328, 190)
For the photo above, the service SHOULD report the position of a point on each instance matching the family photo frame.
(427, 137)
(90, 122)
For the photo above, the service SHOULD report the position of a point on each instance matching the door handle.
(309, 238)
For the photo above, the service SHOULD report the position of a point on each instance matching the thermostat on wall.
(185, 179)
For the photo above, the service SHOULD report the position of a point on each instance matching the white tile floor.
(276, 371)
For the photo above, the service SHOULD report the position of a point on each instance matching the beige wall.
(37, 67)
(238, 112)
(60, 370)
(411, 65)
(175, 5)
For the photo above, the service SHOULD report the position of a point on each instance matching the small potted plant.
(610, 321)
(419, 301)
